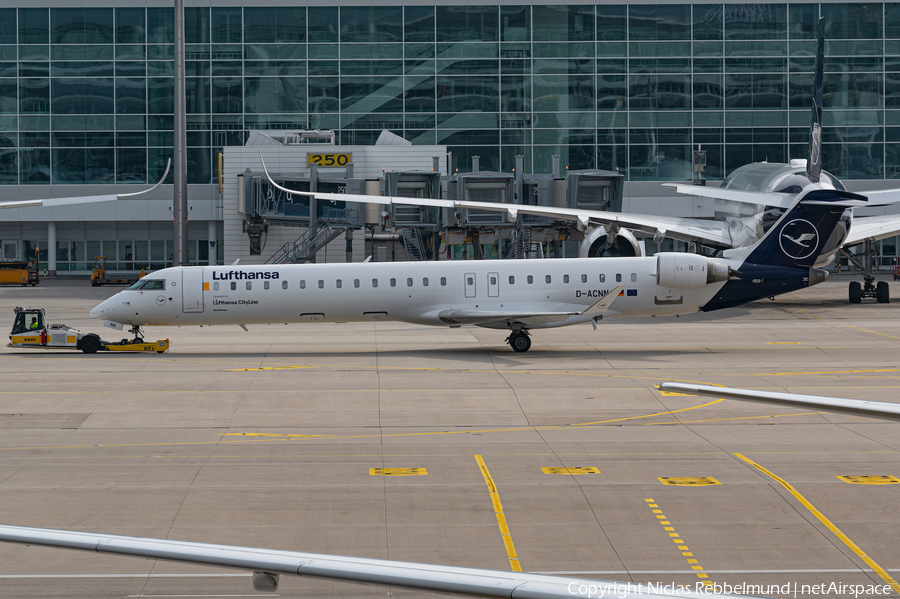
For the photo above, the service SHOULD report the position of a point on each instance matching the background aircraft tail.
(801, 234)
(814, 164)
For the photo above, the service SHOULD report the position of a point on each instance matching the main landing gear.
(869, 288)
(519, 341)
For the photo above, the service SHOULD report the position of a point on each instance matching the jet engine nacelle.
(608, 242)
(688, 271)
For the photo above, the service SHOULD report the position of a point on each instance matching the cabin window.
(602, 278)
(425, 282)
(618, 278)
(634, 277)
(233, 285)
(584, 278)
(265, 284)
(393, 282)
(470, 281)
(374, 282)
(338, 284)
(356, 282)
(512, 280)
(284, 284)
(547, 279)
(493, 280)
(249, 285)
(530, 279)
(443, 281)
(321, 284)
(302, 284)
(216, 286)
(565, 279)
(409, 282)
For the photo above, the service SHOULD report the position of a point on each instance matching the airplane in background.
(772, 187)
(854, 407)
(514, 295)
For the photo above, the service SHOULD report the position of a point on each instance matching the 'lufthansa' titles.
(233, 275)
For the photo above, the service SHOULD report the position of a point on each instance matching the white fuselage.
(416, 292)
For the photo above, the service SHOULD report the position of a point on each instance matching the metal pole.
(179, 204)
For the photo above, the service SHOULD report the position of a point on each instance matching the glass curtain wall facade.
(86, 94)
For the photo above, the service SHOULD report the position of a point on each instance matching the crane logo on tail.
(799, 239)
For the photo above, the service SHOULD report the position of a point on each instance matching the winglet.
(603, 304)
(814, 164)
(277, 186)
(140, 193)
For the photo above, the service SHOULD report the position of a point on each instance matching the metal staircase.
(523, 247)
(304, 248)
(413, 243)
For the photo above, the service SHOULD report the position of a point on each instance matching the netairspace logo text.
(623, 590)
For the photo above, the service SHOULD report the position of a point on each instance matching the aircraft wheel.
(883, 292)
(520, 342)
(855, 292)
(90, 344)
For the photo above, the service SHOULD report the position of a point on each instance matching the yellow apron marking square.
(574, 470)
(397, 471)
(870, 479)
(688, 481)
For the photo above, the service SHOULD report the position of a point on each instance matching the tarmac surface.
(269, 438)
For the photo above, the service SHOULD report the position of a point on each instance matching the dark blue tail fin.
(801, 233)
(814, 164)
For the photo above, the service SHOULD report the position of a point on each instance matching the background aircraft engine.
(607, 243)
(688, 271)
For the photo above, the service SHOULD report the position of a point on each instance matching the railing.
(304, 248)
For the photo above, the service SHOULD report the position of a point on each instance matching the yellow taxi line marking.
(501, 518)
(827, 372)
(828, 524)
(849, 326)
(727, 419)
(676, 538)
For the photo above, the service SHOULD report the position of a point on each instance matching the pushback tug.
(30, 331)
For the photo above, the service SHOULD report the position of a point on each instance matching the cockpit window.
(145, 284)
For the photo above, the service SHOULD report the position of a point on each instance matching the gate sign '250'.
(329, 159)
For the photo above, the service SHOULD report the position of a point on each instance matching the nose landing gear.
(137, 334)
(519, 341)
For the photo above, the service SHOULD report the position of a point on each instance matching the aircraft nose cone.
(101, 310)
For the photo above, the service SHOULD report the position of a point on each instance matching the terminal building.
(86, 104)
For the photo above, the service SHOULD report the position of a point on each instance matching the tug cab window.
(28, 321)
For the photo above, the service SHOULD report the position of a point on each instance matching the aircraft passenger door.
(470, 284)
(192, 289)
(493, 284)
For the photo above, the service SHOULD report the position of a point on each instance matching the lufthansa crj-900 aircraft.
(516, 295)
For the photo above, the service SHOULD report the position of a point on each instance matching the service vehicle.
(98, 275)
(18, 272)
(30, 330)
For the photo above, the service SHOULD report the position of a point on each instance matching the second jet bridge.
(594, 190)
(412, 184)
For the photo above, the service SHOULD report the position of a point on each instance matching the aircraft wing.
(782, 200)
(872, 228)
(855, 407)
(83, 199)
(267, 564)
(503, 318)
(683, 229)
